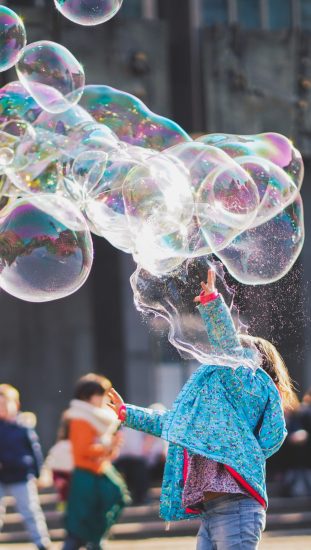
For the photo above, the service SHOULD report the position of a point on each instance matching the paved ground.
(271, 541)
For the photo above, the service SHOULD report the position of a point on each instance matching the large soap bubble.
(103, 202)
(270, 146)
(275, 187)
(167, 303)
(267, 252)
(12, 38)
(88, 12)
(44, 255)
(226, 198)
(52, 75)
(130, 119)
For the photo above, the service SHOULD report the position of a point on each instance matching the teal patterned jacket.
(232, 416)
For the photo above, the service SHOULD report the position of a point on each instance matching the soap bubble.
(88, 12)
(276, 188)
(227, 203)
(44, 255)
(104, 203)
(37, 165)
(265, 254)
(88, 136)
(63, 123)
(16, 103)
(270, 146)
(167, 303)
(130, 119)
(157, 192)
(6, 157)
(52, 75)
(226, 197)
(159, 207)
(12, 38)
(87, 170)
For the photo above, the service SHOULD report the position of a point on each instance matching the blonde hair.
(273, 364)
(9, 392)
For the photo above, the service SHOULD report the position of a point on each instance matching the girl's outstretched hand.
(209, 286)
(116, 401)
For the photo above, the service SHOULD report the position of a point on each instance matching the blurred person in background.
(297, 478)
(97, 492)
(20, 463)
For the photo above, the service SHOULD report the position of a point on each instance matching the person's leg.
(72, 543)
(94, 546)
(28, 505)
(203, 538)
(253, 523)
(2, 504)
(236, 523)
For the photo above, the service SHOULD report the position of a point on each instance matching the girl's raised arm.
(217, 319)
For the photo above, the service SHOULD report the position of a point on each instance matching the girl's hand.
(116, 401)
(209, 286)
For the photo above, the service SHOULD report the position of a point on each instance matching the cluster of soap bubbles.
(48, 71)
(76, 159)
(110, 166)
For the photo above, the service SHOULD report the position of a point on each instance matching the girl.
(97, 493)
(221, 429)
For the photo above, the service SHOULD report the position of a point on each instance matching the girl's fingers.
(211, 279)
(114, 396)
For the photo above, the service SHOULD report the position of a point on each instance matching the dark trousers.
(73, 543)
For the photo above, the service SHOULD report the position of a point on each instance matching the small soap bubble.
(6, 157)
(88, 12)
(52, 75)
(12, 38)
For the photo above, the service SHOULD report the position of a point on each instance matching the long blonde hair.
(273, 364)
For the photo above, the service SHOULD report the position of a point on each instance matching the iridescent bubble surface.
(270, 146)
(43, 255)
(12, 38)
(88, 12)
(130, 119)
(16, 102)
(52, 75)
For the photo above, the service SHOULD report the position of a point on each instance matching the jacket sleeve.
(220, 328)
(145, 420)
(272, 431)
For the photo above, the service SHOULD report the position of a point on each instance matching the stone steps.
(138, 522)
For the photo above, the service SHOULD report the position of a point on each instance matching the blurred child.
(20, 462)
(97, 492)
